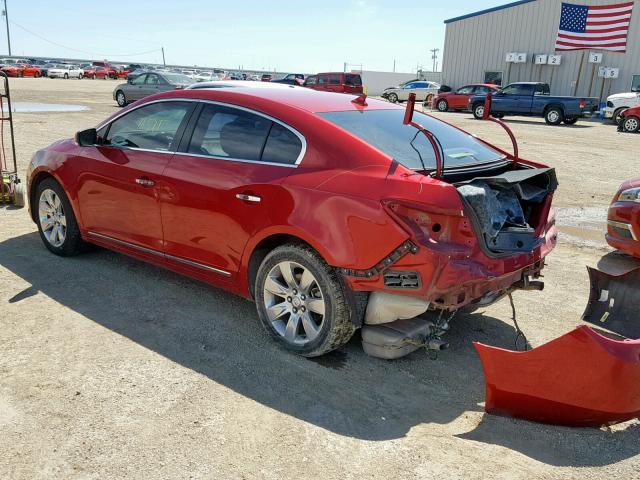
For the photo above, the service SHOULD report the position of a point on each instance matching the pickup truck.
(533, 99)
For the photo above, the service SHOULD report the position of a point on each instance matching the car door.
(421, 89)
(153, 84)
(135, 89)
(118, 189)
(515, 98)
(223, 187)
(403, 93)
(460, 98)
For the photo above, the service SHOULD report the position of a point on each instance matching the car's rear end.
(623, 220)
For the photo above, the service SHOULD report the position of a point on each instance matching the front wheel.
(66, 76)
(617, 116)
(478, 111)
(631, 124)
(554, 116)
(393, 98)
(121, 99)
(302, 302)
(442, 106)
(571, 120)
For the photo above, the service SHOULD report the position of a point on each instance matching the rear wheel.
(442, 105)
(478, 111)
(66, 76)
(302, 302)
(393, 98)
(631, 124)
(56, 222)
(554, 116)
(36, 75)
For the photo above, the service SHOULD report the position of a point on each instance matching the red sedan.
(623, 222)
(326, 209)
(22, 70)
(96, 72)
(630, 120)
(459, 99)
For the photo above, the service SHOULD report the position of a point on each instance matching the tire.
(554, 116)
(66, 76)
(287, 325)
(631, 124)
(393, 98)
(617, 115)
(478, 111)
(499, 115)
(121, 98)
(442, 106)
(36, 75)
(571, 120)
(45, 209)
(93, 77)
(18, 195)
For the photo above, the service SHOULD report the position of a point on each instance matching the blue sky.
(303, 36)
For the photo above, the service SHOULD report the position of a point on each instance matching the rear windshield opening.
(384, 130)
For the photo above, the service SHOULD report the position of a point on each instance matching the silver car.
(421, 88)
(147, 84)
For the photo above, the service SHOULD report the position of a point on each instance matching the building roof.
(488, 10)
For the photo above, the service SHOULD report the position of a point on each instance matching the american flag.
(603, 27)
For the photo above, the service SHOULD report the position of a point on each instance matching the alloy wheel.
(553, 116)
(480, 111)
(442, 106)
(294, 302)
(632, 124)
(52, 218)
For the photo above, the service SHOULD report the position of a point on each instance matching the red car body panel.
(338, 86)
(194, 202)
(97, 72)
(625, 214)
(581, 379)
(460, 101)
(22, 70)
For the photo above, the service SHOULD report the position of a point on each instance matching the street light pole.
(164, 63)
(6, 17)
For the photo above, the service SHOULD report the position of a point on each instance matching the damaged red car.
(623, 220)
(330, 211)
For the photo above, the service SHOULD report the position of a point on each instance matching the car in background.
(623, 219)
(425, 91)
(190, 73)
(112, 71)
(148, 84)
(66, 71)
(47, 66)
(95, 72)
(630, 120)
(22, 70)
(619, 102)
(266, 77)
(291, 79)
(459, 99)
(206, 77)
(337, 82)
(310, 81)
(533, 99)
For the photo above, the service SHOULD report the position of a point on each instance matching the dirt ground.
(111, 368)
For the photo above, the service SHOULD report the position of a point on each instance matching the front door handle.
(145, 182)
(245, 197)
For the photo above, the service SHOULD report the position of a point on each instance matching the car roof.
(300, 98)
(236, 84)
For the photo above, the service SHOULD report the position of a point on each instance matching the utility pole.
(6, 17)
(394, 66)
(434, 57)
(161, 48)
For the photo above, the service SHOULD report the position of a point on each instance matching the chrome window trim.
(159, 254)
(623, 226)
(303, 140)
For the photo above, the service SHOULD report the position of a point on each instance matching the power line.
(83, 51)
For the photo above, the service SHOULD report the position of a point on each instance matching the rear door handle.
(248, 198)
(145, 182)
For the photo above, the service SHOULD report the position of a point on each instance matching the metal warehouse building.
(477, 45)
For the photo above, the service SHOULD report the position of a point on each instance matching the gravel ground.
(112, 368)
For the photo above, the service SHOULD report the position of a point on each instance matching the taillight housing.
(582, 104)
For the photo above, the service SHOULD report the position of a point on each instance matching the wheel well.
(262, 250)
(549, 107)
(33, 189)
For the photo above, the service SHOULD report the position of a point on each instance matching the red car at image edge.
(22, 70)
(459, 99)
(623, 220)
(291, 197)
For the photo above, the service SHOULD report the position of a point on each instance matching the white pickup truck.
(618, 103)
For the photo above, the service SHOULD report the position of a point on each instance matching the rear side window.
(310, 81)
(334, 80)
(480, 90)
(354, 80)
(323, 79)
(283, 146)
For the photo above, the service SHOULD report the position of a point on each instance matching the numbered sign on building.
(595, 57)
(540, 59)
(521, 58)
(511, 57)
(554, 60)
(612, 73)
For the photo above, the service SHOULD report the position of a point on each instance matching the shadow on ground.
(218, 335)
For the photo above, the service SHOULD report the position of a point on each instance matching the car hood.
(623, 96)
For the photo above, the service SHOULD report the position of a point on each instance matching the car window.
(410, 85)
(151, 127)
(334, 79)
(385, 130)
(229, 133)
(153, 79)
(323, 79)
(283, 146)
(481, 90)
(353, 80)
(139, 80)
(422, 85)
(542, 89)
(518, 89)
(466, 90)
(310, 81)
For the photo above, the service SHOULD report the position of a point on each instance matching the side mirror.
(86, 138)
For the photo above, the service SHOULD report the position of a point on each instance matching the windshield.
(384, 130)
(176, 78)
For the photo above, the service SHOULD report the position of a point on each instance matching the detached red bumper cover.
(580, 379)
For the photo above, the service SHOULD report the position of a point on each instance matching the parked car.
(266, 77)
(623, 220)
(425, 91)
(310, 81)
(207, 77)
(317, 208)
(618, 103)
(459, 99)
(534, 99)
(66, 71)
(22, 70)
(112, 71)
(95, 72)
(148, 84)
(291, 79)
(630, 120)
(45, 68)
(338, 82)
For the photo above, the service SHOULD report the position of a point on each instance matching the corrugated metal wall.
(478, 44)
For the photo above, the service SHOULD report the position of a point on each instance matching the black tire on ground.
(93, 77)
(66, 76)
(478, 111)
(19, 195)
(499, 115)
(337, 326)
(631, 124)
(36, 75)
(571, 120)
(617, 115)
(554, 116)
(393, 98)
(121, 98)
(73, 242)
(442, 105)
